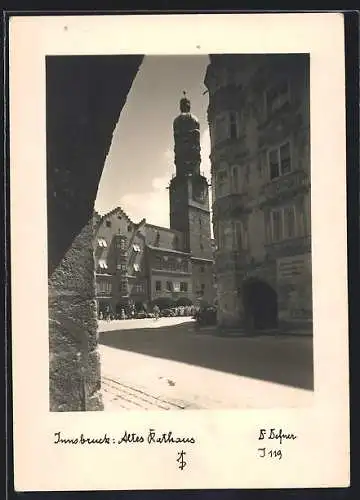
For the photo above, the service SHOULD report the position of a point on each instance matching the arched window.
(221, 127)
(222, 180)
(235, 178)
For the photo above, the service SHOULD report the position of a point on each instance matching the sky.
(140, 161)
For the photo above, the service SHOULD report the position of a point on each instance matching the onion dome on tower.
(186, 140)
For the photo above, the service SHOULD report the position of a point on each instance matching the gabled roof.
(119, 211)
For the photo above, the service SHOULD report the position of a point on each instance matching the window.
(225, 235)
(136, 248)
(123, 287)
(136, 267)
(169, 286)
(289, 222)
(277, 96)
(233, 131)
(221, 132)
(104, 287)
(139, 287)
(247, 174)
(183, 287)
(158, 263)
(171, 265)
(202, 269)
(158, 286)
(103, 264)
(238, 235)
(176, 287)
(129, 228)
(222, 183)
(280, 161)
(283, 223)
(276, 223)
(102, 242)
(274, 164)
(235, 179)
(185, 267)
(221, 235)
(121, 267)
(108, 223)
(121, 243)
(285, 159)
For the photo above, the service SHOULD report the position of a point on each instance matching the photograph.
(189, 286)
(178, 228)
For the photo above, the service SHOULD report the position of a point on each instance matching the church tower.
(189, 198)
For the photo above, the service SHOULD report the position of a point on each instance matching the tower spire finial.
(185, 103)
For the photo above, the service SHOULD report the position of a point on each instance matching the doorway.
(260, 305)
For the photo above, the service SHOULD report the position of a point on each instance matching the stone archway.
(84, 99)
(260, 305)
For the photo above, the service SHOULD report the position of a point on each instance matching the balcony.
(236, 145)
(285, 186)
(229, 206)
(285, 248)
(103, 293)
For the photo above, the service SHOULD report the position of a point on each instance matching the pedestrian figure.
(156, 312)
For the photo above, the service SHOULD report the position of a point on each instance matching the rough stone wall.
(74, 360)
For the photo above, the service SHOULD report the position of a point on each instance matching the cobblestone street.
(167, 365)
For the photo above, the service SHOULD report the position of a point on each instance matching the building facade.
(142, 263)
(259, 123)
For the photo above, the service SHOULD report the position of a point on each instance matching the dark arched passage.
(84, 99)
(260, 305)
